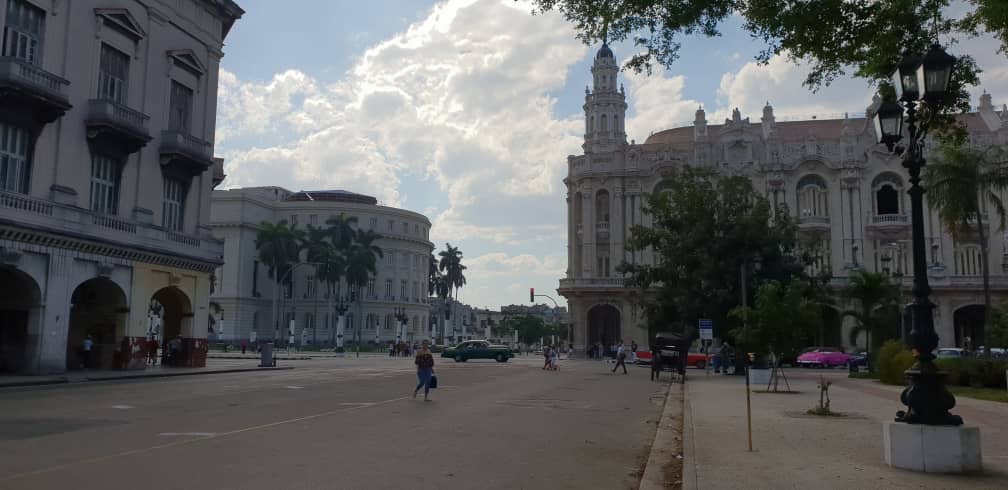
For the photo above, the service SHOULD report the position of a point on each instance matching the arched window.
(388, 322)
(887, 200)
(591, 124)
(968, 260)
(605, 124)
(615, 123)
(888, 188)
(602, 206)
(812, 197)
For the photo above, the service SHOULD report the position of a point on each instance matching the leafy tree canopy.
(833, 37)
(705, 228)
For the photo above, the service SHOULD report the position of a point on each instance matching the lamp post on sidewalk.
(401, 319)
(921, 84)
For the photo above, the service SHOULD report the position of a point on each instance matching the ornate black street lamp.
(921, 81)
(402, 318)
(339, 308)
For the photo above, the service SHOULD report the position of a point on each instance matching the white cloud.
(779, 82)
(657, 104)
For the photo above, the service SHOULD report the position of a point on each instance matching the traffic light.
(532, 295)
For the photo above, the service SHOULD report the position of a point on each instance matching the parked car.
(478, 349)
(857, 360)
(693, 359)
(823, 357)
(949, 353)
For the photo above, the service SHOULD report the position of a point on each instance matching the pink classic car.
(823, 357)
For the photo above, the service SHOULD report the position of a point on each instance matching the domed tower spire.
(605, 106)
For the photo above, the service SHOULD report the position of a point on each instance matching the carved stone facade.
(107, 114)
(848, 194)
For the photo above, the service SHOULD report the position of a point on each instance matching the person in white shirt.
(88, 346)
(620, 358)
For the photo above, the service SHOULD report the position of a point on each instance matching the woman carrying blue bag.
(425, 371)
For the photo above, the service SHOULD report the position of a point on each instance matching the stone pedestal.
(932, 448)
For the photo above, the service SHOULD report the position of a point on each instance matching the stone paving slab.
(150, 372)
(793, 450)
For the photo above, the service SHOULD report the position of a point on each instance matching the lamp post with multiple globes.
(921, 84)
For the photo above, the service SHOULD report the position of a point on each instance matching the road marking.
(122, 407)
(291, 387)
(189, 434)
(200, 439)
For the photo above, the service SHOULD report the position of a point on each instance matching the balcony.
(580, 229)
(889, 225)
(218, 171)
(572, 285)
(814, 223)
(602, 228)
(185, 152)
(115, 126)
(28, 90)
(88, 226)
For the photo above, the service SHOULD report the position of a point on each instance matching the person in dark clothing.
(656, 362)
(620, 358)
(425, 369)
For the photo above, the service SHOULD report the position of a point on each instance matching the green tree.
(959, 181)
(782, 316)
(452, 271)
(832, 36)
(530, 328)
(705, 229)
(874, 294)
(361, 264)
(998, 332)
(277, 245)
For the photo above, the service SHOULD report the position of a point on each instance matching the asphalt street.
(336, 424)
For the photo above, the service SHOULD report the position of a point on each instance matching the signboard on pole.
(706, 329)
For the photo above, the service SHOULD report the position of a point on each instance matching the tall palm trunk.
(985, 268)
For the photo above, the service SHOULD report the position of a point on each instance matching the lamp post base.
(932, 449)
(927, 397)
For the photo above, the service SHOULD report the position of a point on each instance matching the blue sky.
(465, 110)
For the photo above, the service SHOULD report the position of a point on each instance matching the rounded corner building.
(242, 301)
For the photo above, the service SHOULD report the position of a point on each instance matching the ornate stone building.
(107, 119)
(847, 193)
(242, 302)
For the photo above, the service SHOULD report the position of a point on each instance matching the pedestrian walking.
(633, 351)
(244, 346)
(425, 370)
(620, 357)
(656, 361)
(125, 353)
(554, 357)
(86, 353)
(546, 357)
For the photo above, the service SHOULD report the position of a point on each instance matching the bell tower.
(605, 106)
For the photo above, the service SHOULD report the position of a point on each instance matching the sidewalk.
(794, 450)
(159, 371)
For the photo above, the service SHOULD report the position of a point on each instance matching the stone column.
(52, 324)
(616, 230)
(587, 233)
(571, 237)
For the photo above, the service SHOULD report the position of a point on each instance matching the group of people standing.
(550, 356)
(171, 355)
(402, 349)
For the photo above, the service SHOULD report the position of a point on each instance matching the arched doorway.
(969, 323)
(176, 315)
(98, 309)
(603, 325)
(19, 305)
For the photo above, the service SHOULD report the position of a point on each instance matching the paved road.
(337, 423)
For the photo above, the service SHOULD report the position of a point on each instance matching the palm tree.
(874, 293)
(277, 245)
(342, 230)
(330, 261)
(452, 269)
(958, 181)
(361, 264)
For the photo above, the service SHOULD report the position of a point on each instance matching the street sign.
(706, 329)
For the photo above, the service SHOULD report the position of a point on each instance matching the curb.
(665, 446)
(690, 478)
(65, 380)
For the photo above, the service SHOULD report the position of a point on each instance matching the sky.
(466, 110)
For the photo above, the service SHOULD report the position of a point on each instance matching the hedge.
(894, 359)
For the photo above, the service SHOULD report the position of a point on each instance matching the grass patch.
(990, 394)
(780, 392)
(864, 375)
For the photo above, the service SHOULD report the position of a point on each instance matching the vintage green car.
(478, 349)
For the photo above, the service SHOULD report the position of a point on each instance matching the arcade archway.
(98, 309)
(20, 299)
(969, 325)
(603, 325)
